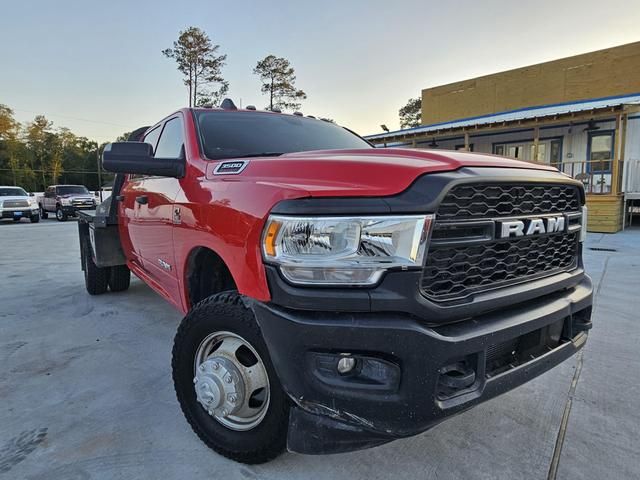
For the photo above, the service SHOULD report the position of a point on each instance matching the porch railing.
(595, 175)
(631, 176)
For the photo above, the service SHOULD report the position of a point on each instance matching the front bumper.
(72, 210)
(18, 212)
(403, 384)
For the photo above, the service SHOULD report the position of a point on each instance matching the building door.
(516, 151)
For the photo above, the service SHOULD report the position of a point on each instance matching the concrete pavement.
(86, 391)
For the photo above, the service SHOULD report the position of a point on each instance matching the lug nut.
(215, 365)
(233, 398)
(346, 364)
(228, 379)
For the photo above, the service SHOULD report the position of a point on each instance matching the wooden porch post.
(466, 141)
(617, 156)
(536, 142)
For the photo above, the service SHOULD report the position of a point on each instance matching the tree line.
(36, 154)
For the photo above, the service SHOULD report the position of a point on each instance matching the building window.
(460, 146)
(600, 151)
(549, 150)
(555, 152)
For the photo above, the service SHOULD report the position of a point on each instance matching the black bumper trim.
(373, 417)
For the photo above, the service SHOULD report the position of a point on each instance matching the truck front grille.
(459, 271)
(15, 204)
(507, 200)
(465, 258)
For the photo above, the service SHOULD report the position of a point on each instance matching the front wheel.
(60, 215)
(226, 385)
(43, 213)
(35, 218)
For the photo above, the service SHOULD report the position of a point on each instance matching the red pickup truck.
(338, 296)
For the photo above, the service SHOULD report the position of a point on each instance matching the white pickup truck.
(16, 204)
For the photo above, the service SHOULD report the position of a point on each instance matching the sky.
(96, 67)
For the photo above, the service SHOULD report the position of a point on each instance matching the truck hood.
(365, 172)
(77, 196)
(13, 197)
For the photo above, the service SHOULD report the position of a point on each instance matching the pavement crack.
(564, 423)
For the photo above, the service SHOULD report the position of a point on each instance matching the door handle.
(142, 200)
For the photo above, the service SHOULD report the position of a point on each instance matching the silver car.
(17, 204)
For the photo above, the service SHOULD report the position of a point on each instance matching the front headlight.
(343, 250)
(65, 201)
(33, 202)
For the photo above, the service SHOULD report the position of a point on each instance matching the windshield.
(71, 189)
(242, 134)
(12, 192)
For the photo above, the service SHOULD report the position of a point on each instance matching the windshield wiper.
(260, 154)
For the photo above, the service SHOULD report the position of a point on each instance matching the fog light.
(346, 364)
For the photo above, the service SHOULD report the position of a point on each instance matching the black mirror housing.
(137, 158)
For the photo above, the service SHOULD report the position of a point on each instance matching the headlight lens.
(342, 250)
(65, 201)
(33, 201)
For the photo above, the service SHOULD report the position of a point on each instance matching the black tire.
(43, 213)
(227, 312)
(17, 219)
(35, 218)
(60, 215)
(119, 278)
(96, 279)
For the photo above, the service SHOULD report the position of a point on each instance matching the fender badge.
(231, 168)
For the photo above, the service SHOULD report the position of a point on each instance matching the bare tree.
(198, 61)
(278, 81)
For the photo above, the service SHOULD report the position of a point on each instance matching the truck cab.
(338, 296)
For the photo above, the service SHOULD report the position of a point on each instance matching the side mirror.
(137, 158)
(31, 194)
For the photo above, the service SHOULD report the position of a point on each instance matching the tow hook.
(457, 376)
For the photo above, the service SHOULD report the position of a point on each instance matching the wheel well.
(206, 274)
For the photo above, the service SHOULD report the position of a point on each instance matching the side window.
(152, 137)
(171, 140)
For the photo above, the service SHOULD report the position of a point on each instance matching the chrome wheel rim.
(59, 214)
(231, 381)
